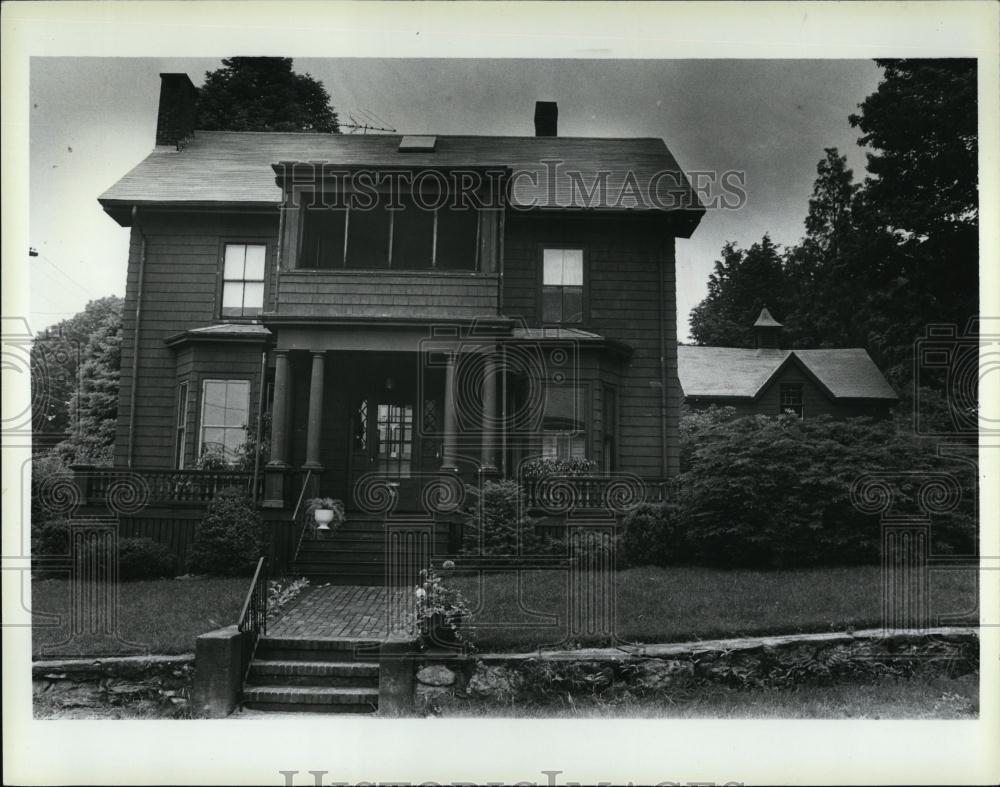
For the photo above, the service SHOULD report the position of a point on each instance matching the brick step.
(293, 672)
(315, 699)
(339, 650)
(292, 707)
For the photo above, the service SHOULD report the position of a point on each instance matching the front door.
(385, 442)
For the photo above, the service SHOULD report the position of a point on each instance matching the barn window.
(791, 399)
(243, 280)
(562, 286)
(225, 409)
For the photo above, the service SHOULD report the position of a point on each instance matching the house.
(398, 307)
(767, 380)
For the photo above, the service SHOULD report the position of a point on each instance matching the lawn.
(938, 698)
(158, 616)
(688, 603)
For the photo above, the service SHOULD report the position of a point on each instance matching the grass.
(938, 698)
(156, 616)
(689, 603)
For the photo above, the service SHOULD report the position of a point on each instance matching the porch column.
(279, 414)
(315, 412)
(489, 459)
(448, 458)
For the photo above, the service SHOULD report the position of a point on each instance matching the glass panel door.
(394, 439)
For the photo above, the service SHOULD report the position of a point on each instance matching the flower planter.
(323, 516)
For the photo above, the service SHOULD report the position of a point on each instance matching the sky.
(93, 119)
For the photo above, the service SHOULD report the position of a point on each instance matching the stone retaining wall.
(115, 680)
(662, 670)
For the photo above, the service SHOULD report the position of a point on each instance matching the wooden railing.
(129, 490)
(252, 623)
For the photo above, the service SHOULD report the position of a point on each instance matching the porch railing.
(252, 623)
(111, 486)
(565, 493)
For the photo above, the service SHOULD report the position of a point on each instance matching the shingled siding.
(624, 256)
(352, 294)
(181, 290)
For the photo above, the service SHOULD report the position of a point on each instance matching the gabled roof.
(733, 372)
(225, 167)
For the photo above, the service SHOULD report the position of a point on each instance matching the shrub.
(144, 558)
(228, 540)
(652, 536)
(138, 558)
(50, 537)
(776, 491)
(498, 518)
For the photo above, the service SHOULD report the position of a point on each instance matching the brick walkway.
(363, 612)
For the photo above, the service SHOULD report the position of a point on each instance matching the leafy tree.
(881, 259)
(264, 94)
(57, 357)
(744, 281)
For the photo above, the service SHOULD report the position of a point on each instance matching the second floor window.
(410, 237)
(562, 286)
(791, 399)
(243, 280)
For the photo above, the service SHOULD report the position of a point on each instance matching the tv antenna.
(364, 120)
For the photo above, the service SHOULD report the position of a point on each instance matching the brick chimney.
(767, 331)
(177, 114)
(546, 118)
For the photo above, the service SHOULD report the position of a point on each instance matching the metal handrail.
(253, 617)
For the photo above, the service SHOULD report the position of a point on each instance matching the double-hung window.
(225, 410)
(243, 279)
(791, 399)
(564, 425)
(562, 286)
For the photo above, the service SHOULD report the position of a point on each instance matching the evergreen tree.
(744, 281)
(264, 94)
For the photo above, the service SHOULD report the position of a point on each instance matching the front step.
(311, 699)
(291, 672)
(336, 675)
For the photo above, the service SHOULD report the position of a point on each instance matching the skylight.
(417, 144)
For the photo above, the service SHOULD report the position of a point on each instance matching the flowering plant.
(536, 469)
(440, 609)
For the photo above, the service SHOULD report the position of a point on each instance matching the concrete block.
(218, 678)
